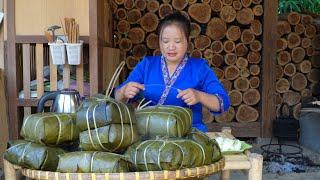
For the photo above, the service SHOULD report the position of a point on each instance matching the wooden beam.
(251, 129)
(268, 66)
(11, 76)
(41, 39)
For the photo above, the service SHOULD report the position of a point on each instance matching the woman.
(174, 78)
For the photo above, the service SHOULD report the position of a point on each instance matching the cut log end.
(231, 72)
(241, 84)
(227, 116)
(282, 85)
(247, 113)
(254, 82)
(299, 82)
(216, 29)
(251, 97)
(200, 12)
(294, 18)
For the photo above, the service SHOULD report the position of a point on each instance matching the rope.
(114, 77)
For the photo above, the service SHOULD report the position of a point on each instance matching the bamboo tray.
(197, 172)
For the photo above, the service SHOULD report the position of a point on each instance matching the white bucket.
(58, 53)
(74, 52)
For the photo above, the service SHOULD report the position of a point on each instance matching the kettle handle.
(46, 97)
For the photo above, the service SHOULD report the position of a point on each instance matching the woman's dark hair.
(178, 19)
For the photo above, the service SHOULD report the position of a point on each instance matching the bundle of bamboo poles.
(71, 29)
(228, 33)
(297, 70)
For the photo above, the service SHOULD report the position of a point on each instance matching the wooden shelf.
(250, 129)
(31, 103)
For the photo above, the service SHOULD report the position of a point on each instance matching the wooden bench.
(245, 161)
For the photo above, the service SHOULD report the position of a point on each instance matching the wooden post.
(255, 172)
(11, 76)
(268, 65)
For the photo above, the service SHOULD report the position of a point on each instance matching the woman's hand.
(189, 96)
(131, 89)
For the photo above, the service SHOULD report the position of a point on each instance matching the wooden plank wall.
(33, 17)
(268, 66)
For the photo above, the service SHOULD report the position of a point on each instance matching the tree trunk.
(128, 4)
(306, 42)
(152, 41)
(294, 18)
(241, 84)
(254, 70)
(244, 72)
(201, 42)
(216, 5)
(242, 62)
(217, 46)
(256, 27)
(217, 60)
(282, 44)
(278, 99)
(296, 111)
(229, 46)
(254, 57)
(283, 27)
(134, 15)
(245, 16)
(291, 98)
(255, 46)
(139, 50)
(121, 14)
(299, 29)
(149, 22)
(123, 26)
(294, 40)
(179, 4)
(195, 30)
(306, 19)
(310, 31)
(298, 54)
(241, 49)
(125, 44)
(289, 69)
(131, 62)
(279, 72)
(196, 53)
(227, 2)
(219, 72)
(299, 82)
(247, 36)
(141, 4)
(246, 3)
(310, 51)
(207, 116)
(306, 93)
(283, 58)
(208, 53)
(233, 33)
(119, 2)
(226, 116)
(304, 67)
(226, 84)
(316, 42)
(136, 35)
(254, 82)
(247, 113)
(164, 10)
(230, 59)
(314, 75)
(200, 12)
(228, 14)
(251, 97)
(231, 72)
(153, 6)
(256, 1)
(216, 28)
(237, 5)
(282, 85)
(190, 47)
(258, 10)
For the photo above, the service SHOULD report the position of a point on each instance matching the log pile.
(296, 73)
(228, 33)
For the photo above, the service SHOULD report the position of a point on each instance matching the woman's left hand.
(190, 96)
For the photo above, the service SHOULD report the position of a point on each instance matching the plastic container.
(58, 53)
(74, 52)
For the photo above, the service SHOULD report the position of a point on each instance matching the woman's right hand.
(131, 89)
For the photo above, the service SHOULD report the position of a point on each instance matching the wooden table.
(245, 161)
(248, 161)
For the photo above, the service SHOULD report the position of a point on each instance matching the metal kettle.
(64, 101)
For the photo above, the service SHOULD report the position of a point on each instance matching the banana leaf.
(170, 154)
(93, 162)
(169, 121)
(50, 128)
(211, 145)
(111, 138)
(33, 156)
(96, 112)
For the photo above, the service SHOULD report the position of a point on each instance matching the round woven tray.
(202, 171)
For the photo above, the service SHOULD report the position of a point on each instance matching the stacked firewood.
(297, 70)
(228, 33)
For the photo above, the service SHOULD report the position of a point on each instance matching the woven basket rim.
(200, 171)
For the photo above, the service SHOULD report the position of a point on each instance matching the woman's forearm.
(210, 101)
(119, 95)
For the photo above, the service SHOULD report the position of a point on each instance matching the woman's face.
(173, 43)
